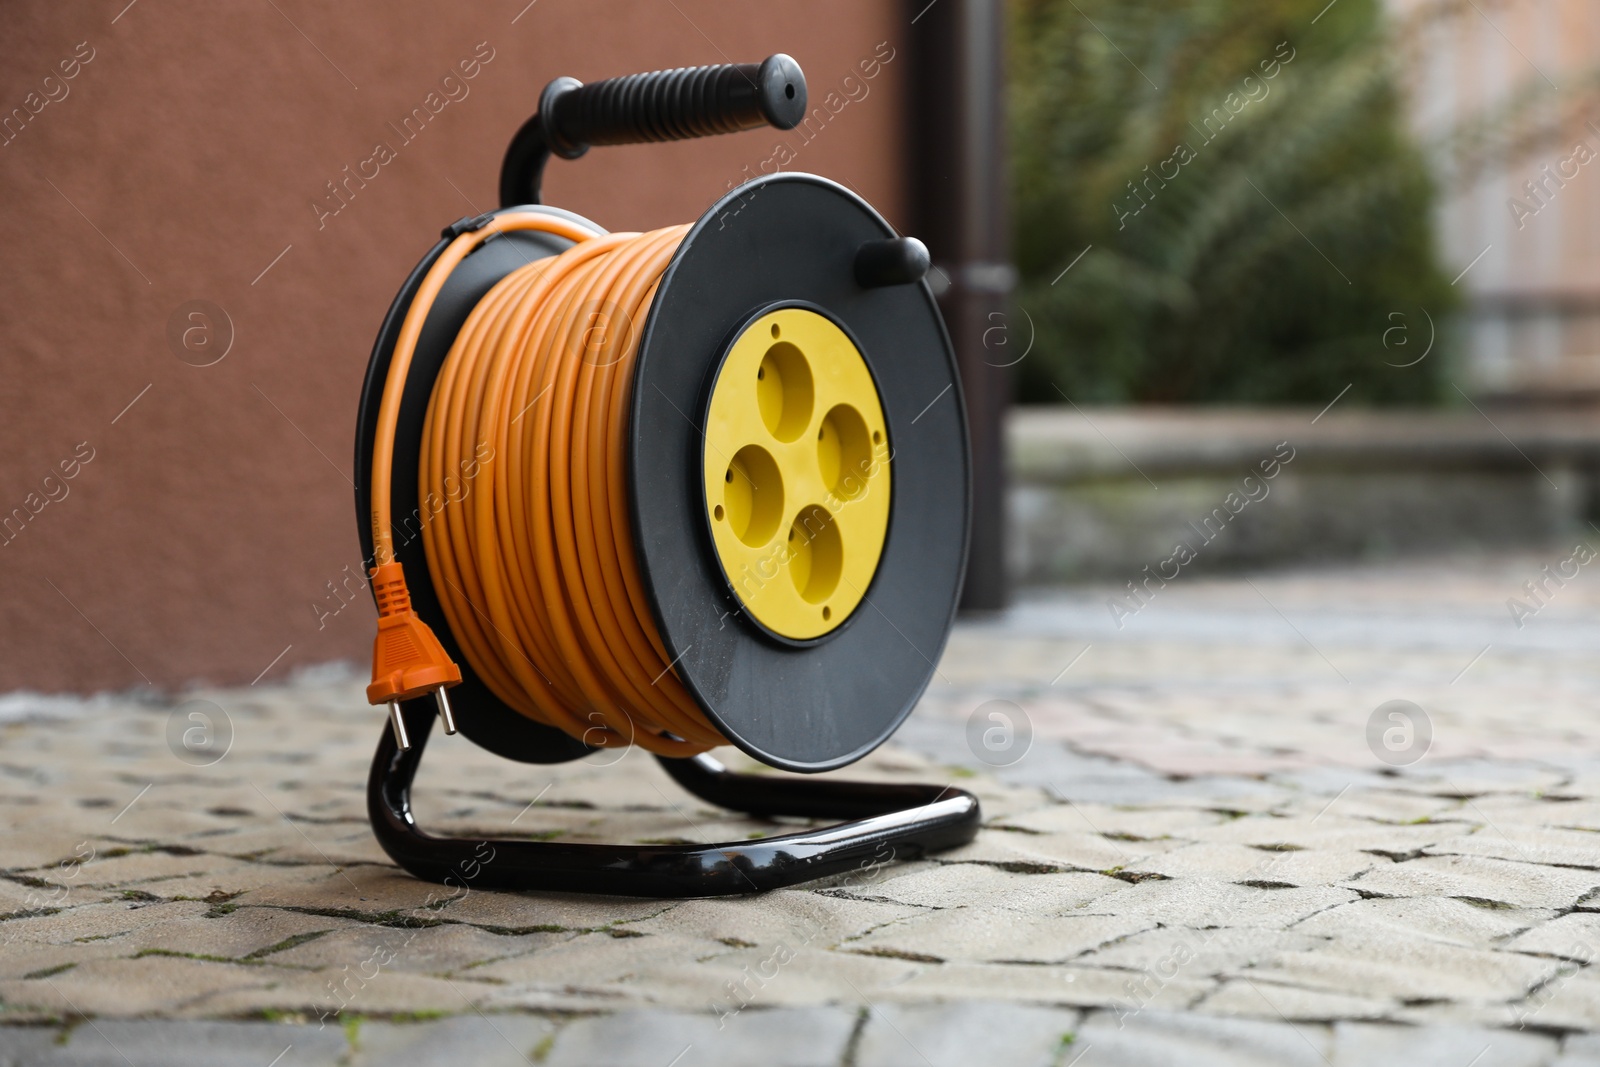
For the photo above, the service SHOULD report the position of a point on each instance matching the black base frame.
(890, 823)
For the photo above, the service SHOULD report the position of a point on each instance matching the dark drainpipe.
(959, 194)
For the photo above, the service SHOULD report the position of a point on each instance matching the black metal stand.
(891, 822)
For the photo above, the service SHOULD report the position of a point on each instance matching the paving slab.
(1155, 1039)
(479, 1040)
(150, 1043)
(807, 1037)
(963, 1033)
(1439, 1046)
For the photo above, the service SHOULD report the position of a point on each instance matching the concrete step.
(1104, 493)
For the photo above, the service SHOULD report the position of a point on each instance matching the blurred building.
(207, 211)
(1523, 235)
(209, 208)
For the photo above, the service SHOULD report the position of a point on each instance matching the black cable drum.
(791, 240)
(779, 241)
(484, 718)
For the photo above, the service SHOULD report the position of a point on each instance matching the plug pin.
(399, 723)
(445, 714)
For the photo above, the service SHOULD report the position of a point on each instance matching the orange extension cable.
(534, 561)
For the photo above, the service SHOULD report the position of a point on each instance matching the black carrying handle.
(664, 105)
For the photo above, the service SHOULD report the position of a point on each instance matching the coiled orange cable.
(534, 561)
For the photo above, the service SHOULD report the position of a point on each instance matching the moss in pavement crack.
(287, 943)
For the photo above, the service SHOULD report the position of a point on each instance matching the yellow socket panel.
(797, 473)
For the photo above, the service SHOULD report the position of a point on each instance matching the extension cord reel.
(745, 473)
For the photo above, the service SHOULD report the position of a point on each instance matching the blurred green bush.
(1255, 205)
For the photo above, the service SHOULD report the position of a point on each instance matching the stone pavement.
(1193, 853)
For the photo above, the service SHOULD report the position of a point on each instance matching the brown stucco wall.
(183, 158)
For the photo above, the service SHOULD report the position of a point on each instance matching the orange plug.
(407, 659)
